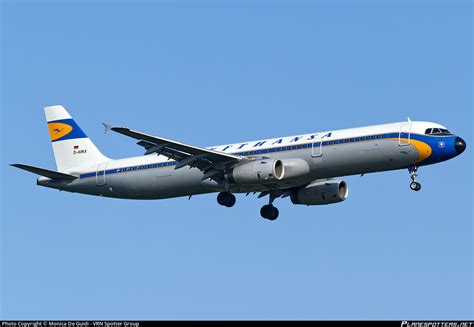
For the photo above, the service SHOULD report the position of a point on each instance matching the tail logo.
(59, 130)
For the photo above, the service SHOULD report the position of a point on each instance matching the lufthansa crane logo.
(58, 130)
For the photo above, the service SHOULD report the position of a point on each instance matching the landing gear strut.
(226, 199)
(414, 185)
(269, 211)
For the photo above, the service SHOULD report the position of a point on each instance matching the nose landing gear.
(414, 185)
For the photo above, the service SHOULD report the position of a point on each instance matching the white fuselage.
(329, 154)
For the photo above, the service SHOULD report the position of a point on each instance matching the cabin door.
(100, 174)
(404, 135)
(317, 148)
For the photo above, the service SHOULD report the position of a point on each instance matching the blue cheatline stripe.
(129, 169)
(76, 132)
(419, 137)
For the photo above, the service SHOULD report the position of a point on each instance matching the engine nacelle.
(321, 192)
(253, 172)
(267, 170)
(291, 168)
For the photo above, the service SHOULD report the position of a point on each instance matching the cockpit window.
(437, 131)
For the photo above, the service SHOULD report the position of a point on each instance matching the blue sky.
(211, 73)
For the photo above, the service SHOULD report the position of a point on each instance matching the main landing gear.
(226, 199)
(414, 185)
(269, 211)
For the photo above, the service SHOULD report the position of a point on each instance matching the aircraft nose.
(459, 145)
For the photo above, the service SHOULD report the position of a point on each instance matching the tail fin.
(72, 148)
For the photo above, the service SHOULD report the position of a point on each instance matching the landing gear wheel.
(275, 213)
(269, 212)
(226, 199)
(415, 186)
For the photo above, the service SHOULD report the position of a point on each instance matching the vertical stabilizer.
(71, 146)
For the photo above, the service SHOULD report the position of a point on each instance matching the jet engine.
(291, 168)
(321, 192)
(267, 170)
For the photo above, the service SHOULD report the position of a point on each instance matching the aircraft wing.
(211, 162)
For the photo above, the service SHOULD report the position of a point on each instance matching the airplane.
(306, 168)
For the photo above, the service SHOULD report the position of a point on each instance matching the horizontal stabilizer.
(44, 172)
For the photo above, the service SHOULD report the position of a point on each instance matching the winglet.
(107, 127)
